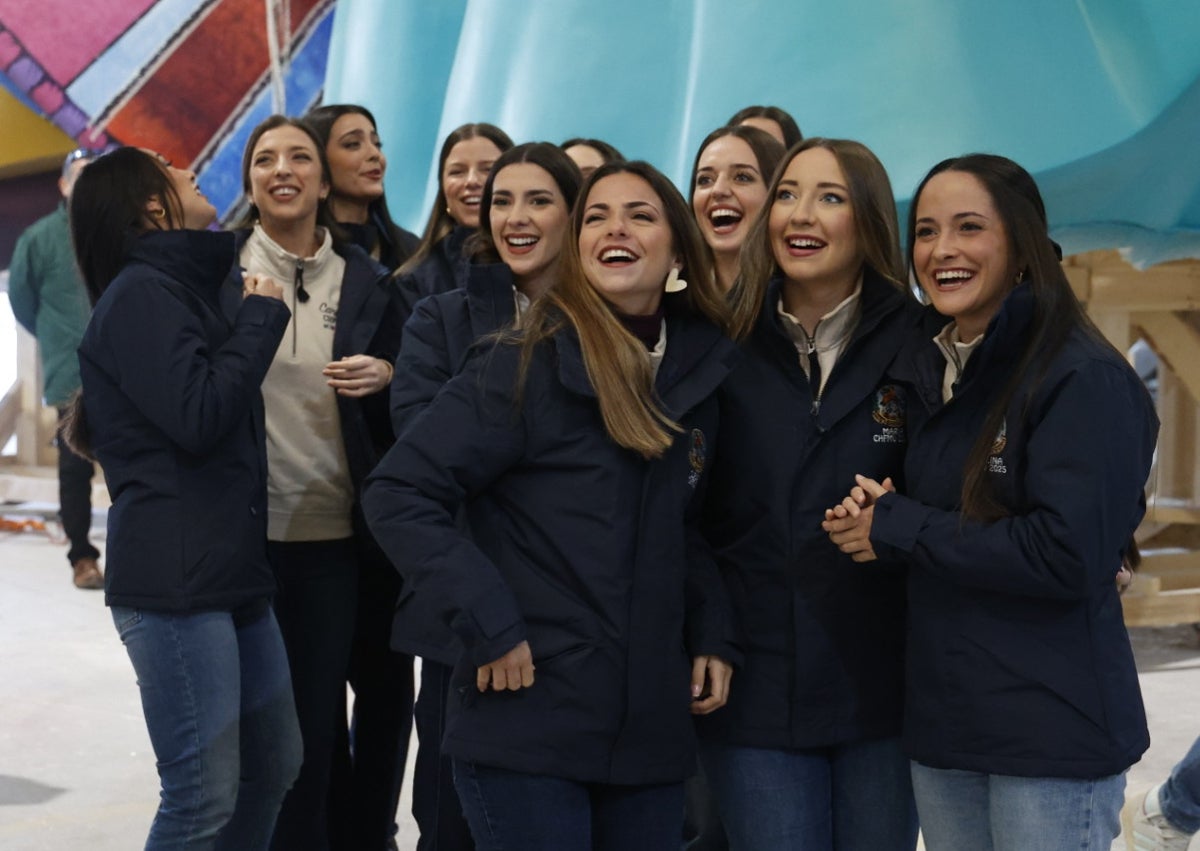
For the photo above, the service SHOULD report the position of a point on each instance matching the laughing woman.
(526, 211)
(576, 446)
(729, 186)
(327, 425)
(171, 394)
(1030, 440)
(807, 754)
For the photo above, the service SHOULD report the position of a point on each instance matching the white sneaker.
(1147, 829)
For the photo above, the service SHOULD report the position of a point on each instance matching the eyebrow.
(628, 205)
(957, 216)
(827, 184)
(705, 168)
(528, 192)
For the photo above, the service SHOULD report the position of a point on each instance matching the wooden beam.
(1164, 609)
(10, 411)
(1176, 342)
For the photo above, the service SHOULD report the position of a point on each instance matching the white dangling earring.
(675, 284)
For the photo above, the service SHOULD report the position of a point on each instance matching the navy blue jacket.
(824, 637)
(1019, 661)
(579, 547)
(442, 270)
(171, 394)
(433, 348)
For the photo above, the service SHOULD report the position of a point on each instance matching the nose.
(476, 176)
(944, 245)
(721, 186)
(617, 226)
(518, 213)
(801, 213)
(282, 166)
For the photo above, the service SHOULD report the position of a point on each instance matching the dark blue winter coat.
(442, 270)
(171, 393)
(824, 637)
(579, 547)
(433, 347)
(1019, 661)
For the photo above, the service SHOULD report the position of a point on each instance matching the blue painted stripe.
(220, 178)
(116, 69)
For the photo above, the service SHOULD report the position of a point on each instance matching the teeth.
(724, 216)
(804, 242)
(284, 191)
(472, 199)
(520, 241)
(952, 275)
(616, 254)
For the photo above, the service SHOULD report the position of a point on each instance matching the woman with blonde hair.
(576, 445)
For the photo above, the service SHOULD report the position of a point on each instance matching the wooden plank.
(1168, 286)
(1176, 342)
(10, 411)
(1165, 609)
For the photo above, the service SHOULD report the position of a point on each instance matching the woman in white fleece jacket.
(327, 424)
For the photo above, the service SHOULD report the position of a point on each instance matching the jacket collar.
(200, 259)
(490, 301)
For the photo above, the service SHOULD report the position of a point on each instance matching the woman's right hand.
(512, 671)
(263, 285)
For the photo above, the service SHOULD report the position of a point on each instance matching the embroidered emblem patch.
(697, 455)
(889, 406)
(996, 462)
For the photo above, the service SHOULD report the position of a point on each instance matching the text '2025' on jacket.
(171, 393)
(1018, 658)
(577, 545)
(823, 637)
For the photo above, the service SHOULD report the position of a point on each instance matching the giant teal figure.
(1099, 98)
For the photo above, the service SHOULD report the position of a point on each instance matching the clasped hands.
(848, 523)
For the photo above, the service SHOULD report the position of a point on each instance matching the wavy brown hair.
(875, 224)
(615, 360)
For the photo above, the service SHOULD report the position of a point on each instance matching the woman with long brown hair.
(576, 445)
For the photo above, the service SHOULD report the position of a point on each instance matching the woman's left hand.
(710, 683)
(358, 375)
(849, 524)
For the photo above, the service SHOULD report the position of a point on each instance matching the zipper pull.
(301, 293)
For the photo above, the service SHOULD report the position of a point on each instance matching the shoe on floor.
(88, 575)
(1145, 828)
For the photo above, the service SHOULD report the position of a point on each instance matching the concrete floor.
(76, 769)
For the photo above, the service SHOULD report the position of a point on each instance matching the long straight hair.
(1056, 313)
(875, 225)
(440, 221)
(321, 119)
(615, 360)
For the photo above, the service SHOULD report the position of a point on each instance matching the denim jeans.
(1180, 795)
(218, 705)
(511, 811)
(996, 812)
(851, 797)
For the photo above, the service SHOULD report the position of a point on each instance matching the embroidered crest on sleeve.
(697, 455)
(889, 412)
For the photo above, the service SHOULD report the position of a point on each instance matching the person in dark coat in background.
(381, 723)
(577, 446)
(327, 426)
(439, 262)
(1030, 440)
(807, 754)
(526, 214)
(170, 406)
(357, 168)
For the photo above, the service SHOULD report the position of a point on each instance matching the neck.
(811, 300)
(299, 238)
(727, 269)
(351, 212)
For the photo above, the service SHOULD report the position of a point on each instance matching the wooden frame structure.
(1160, 305)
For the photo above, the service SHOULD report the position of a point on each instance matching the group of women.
(656, 481)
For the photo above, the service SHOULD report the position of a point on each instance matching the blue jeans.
(1180, 795)
(511, 811)
(217, 699)
(851, 797)
(996, 812)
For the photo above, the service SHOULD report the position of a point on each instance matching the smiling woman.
(326, 425)
(547, 428)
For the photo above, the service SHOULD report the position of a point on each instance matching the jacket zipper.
(298, 294)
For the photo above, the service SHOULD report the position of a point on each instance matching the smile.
(617, 256)
(724, 219)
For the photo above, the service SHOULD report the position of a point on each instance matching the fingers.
(699, 672)
(357, 375)
(512, 671)
(889, 485)
(872, 488)
(715, 690)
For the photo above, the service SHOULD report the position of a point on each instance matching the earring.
(675, 283)
(160, 213)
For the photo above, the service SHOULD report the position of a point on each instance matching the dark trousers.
(368, 780)
(702, 828)
(436, 807)
(315, 606)
(75, 498)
